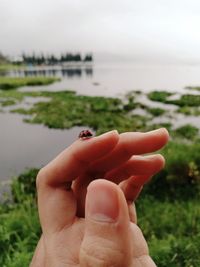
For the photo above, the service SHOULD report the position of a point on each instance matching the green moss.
(156, 111)
(160, 96)
(11, 83)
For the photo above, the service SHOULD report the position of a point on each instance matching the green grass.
(170, 244)
(7, 83)
(172, 230)
(187, 131)
(19, 224)
(19, 232)
(180, 179)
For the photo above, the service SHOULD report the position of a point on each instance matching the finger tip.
(99, 184)
(95, 147)
(102, 201)
(161, 161)
(165, 134)
(109, 135)
(163, 137)
(108, 139)
(162, 132)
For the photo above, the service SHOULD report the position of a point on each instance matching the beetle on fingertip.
(85, 134)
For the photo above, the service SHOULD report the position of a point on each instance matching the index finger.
(57, 205)
(74, 160)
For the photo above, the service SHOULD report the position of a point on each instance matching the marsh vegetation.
(169, 207)
(11, 83)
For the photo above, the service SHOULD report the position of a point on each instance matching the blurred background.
(128, 65)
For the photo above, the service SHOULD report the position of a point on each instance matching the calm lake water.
(115, 80)
(24, 145)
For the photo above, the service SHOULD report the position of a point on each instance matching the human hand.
(102, 230)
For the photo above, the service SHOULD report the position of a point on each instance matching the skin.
(85, 200)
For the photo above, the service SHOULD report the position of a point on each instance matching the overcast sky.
(128, 28)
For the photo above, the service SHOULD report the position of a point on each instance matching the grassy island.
(11, 83)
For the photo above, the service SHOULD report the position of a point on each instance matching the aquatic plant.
(7, 83)
(160, 96)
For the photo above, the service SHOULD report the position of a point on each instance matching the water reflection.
(116, 80)
(76, 72)
(26, 145)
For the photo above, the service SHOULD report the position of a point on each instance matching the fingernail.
(160, 129)
(110, 133)
(156, 130)
(102, 202)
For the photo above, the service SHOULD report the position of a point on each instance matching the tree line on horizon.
(53, 59)
(50, 59)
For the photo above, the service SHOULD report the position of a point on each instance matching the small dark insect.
(85, 134)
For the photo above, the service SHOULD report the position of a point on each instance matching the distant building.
(17, 60)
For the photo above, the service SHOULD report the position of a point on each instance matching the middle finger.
(136, 165)
(130, 143)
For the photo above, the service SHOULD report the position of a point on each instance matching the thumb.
(107, 239)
